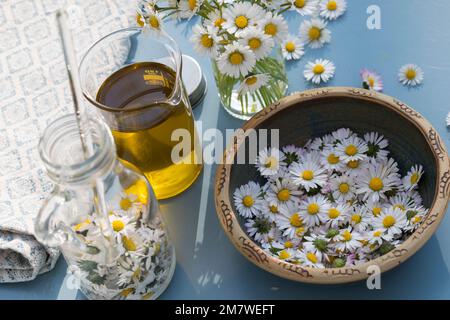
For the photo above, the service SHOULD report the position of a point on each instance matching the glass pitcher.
(103, 216)
(133, 77)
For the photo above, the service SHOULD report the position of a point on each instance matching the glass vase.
(243, 103)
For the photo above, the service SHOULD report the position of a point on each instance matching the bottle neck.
(61, 151)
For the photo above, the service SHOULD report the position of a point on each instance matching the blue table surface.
(208, 266)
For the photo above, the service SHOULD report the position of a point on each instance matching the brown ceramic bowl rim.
(259, 257)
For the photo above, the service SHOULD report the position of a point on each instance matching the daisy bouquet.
(339, 200)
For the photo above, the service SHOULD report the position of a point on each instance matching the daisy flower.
(237, 60)
(376, 237)
(359, 218)
(371, 80)
(253, 83)
(376, 144)
(393, 220)
(282, 192)
(336, 215)
(270, 211)
(274, 25)
(341, 134)
(318, 144)
(290, 221)
(240, 16)
(330, 160)
(310, 259)
(416, 197)
(215, 19)
(308, 173)
(415, 217)
(410, 75)
(269, 161)
(152, 20)
(317, 244)
(343, 188)
(305, 7)
(314, 209)
(401, 201)
(348, 240)
(321, 70)
(247, 200)
(259, 228)
(292, 48)
(352, 149)
(332, 9)
(287, 254)
(260, 43)
(205, 40)
(188, 8)
(374, 208)
(412, 178)
(376, 179)
(315, 33)
(292, 154)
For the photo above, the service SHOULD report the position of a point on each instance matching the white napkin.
(34, 91)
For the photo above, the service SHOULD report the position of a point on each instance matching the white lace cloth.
(33, 92)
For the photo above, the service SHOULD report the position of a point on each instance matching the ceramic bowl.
(301, 116)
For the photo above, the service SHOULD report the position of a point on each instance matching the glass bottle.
(103, 216)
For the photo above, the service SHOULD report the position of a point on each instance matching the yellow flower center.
(388, 221)
(318, 69)
(206, 41)
(299, 3)
(347, 235)
(344, 187)
(354, 164)
(248, 201)
(218, 23)
(192, 4)
(371, 81)
(273, 209)
(333, 213)
(376, 211)
(236, 58)
(270, 29)
(118, 225)
(311, 257)
(410, 74)
(300, 231)
(377, 233)
(154, 22)
(417, 219)
(331, 5)
(288, 245)
(314, 33)
(313, 208)
(351, 150)
(241, 22)
(254, 43)
(139, 20)
(308, 175)
(356, 218)
(284, 254)
(251, 81)
(376, 184)
(128, 244)
(414, 178)
(400, 206)
(125, 204)
(283, 195)
(290, 46)
(82, 224)
(332, 159)
(295, 220)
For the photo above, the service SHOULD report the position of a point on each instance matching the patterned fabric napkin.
(34, 91)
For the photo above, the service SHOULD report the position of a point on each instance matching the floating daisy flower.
(274, 26)
(371, 80)
(332, 9)
(376, 179)
(308, 173)
(269, 161)
(270, 211)
(315, 33)
(290, 221)
(259, 228)
(241, 16)
(287, 254)
(376, 237)
(349, 240)
(310, 259)
(260, 43)
(374, 208)
(359, 218)
(393, 220)
(376, 145)
(336, 215)
(341, 134)
(247, 200)
(253, 83)
(321, 70)
(292, 154)
(352, 149)
(410, 75)
(237, 60)
(282, 192)
(415, 217)
(205, 40)
(331, 161)
(314, 209)
(292, 48)
(305, 7)
(400, 201)
(413, 177)
(343, 188)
